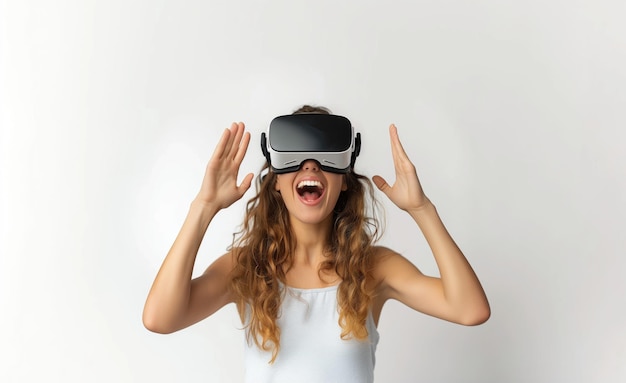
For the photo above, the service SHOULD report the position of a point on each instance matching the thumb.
(245, 184)
(381, 184)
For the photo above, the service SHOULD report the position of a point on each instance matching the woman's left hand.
(406, 192)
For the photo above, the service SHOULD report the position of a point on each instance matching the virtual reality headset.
(326, 138)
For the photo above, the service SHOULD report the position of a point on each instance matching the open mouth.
(310, 190)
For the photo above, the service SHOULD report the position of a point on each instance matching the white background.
(513, 112)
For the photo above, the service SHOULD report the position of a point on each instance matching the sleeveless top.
(311, 348)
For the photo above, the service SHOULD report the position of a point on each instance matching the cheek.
(338, 191)
(341, 180)
(283, 182)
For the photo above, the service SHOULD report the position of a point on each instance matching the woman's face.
(310, 194)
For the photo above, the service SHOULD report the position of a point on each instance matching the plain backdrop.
(514, 113)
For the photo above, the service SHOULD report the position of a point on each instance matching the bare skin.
(176, 301)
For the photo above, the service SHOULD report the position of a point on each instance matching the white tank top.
(311, 348)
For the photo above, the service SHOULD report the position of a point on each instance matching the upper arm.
(210, 291)
(401, 280)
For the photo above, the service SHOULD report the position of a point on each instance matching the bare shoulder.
(392, 272)
(388, 267)
(389, 263)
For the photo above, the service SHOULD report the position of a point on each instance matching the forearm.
(461, 287)
(169, 295)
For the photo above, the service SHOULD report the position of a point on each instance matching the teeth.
(310, 183)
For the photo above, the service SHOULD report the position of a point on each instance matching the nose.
(310, 165)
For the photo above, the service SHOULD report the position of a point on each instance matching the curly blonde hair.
(264, 251)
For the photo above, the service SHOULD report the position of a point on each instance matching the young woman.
(306, 277)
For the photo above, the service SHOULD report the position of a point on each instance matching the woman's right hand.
(219, 187)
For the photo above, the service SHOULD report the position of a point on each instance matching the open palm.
(219, 186)
(406, 192)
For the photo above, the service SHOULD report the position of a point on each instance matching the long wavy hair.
(264, 251)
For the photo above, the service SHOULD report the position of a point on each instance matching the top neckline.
(313, 290)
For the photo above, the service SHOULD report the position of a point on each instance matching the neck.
(311, 241)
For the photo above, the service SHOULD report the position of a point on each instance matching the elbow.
(477, 316)
(152, 323)
(155, 328)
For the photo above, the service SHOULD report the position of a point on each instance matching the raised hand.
(406, 192)
(219, 186)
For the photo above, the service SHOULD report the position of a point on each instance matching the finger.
(400, 158)
(231, 139)
(221, 144)
(395, 142)
(393, 138)
(243, 148)
(239, 131)
(381, 184)
(245, 184)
